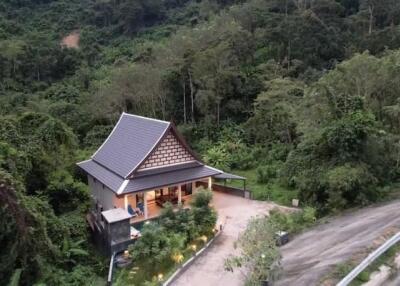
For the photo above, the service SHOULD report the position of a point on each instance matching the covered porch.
(148, 204)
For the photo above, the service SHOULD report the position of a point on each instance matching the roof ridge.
(144, 158)
(143, 117)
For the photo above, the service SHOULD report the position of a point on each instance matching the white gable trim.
(151, 150)
(122, 187)
(147, 118)
(215, 169)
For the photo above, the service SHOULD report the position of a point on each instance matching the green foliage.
(219, 157)
(156, 245)
(15, 278)
(165, 243)
(181, 221)
(65, 194)
(293, 222)
(266, 173)
(282, 87)
(204, 217)
(259, 254)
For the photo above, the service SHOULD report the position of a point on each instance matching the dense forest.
(304, 92)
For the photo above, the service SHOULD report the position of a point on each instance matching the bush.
(295, 221)
(156, 246)
(266, 173)
(259, 254)
(204, 216)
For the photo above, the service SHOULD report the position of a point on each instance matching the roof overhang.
(228, 176)
(171, 177)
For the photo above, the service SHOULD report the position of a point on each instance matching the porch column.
(145, 205)
(179, 194)
(209, 183)
(193, 187)
(126, 202)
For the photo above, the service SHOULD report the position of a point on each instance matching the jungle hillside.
(301, 96)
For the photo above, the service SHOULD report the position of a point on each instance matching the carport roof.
(224, 176)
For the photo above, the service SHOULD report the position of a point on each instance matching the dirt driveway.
(208, 270)
(312, 255)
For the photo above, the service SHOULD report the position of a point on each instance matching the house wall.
(101, 193)
(170, 151)
(119, 202)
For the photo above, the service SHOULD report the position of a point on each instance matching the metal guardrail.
(370, 258)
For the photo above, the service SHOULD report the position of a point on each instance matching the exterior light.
(147, 222)
(177, 258)
(160, 277)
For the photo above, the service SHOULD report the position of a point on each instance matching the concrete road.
(208, 270)
(313, 254)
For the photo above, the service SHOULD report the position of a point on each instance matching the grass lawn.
(271, 191)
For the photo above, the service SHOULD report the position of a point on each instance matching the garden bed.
(169, 242)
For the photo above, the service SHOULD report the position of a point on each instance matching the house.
(143, 164)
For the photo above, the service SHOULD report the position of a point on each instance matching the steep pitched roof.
(130, 142)
(105, 176)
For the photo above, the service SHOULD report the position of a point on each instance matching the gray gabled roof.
(169, 178)
(130, 142)
(105, 176)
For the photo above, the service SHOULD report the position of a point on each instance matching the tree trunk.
(184, 100)
(218, 107)
(191, 95)
(371, 18)
(288, 55)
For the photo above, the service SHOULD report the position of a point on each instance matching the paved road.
(312, 255)
(208, 270)
(394, 282)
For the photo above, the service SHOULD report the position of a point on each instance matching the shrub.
(156, 246)
(259, 253)
(266, 173)
(204, 216)
(295, 221)
(180, 221)
(218, 157)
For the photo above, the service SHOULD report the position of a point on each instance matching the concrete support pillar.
(210, 183)
(179, 194)
(126, 202)
(146, 215)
